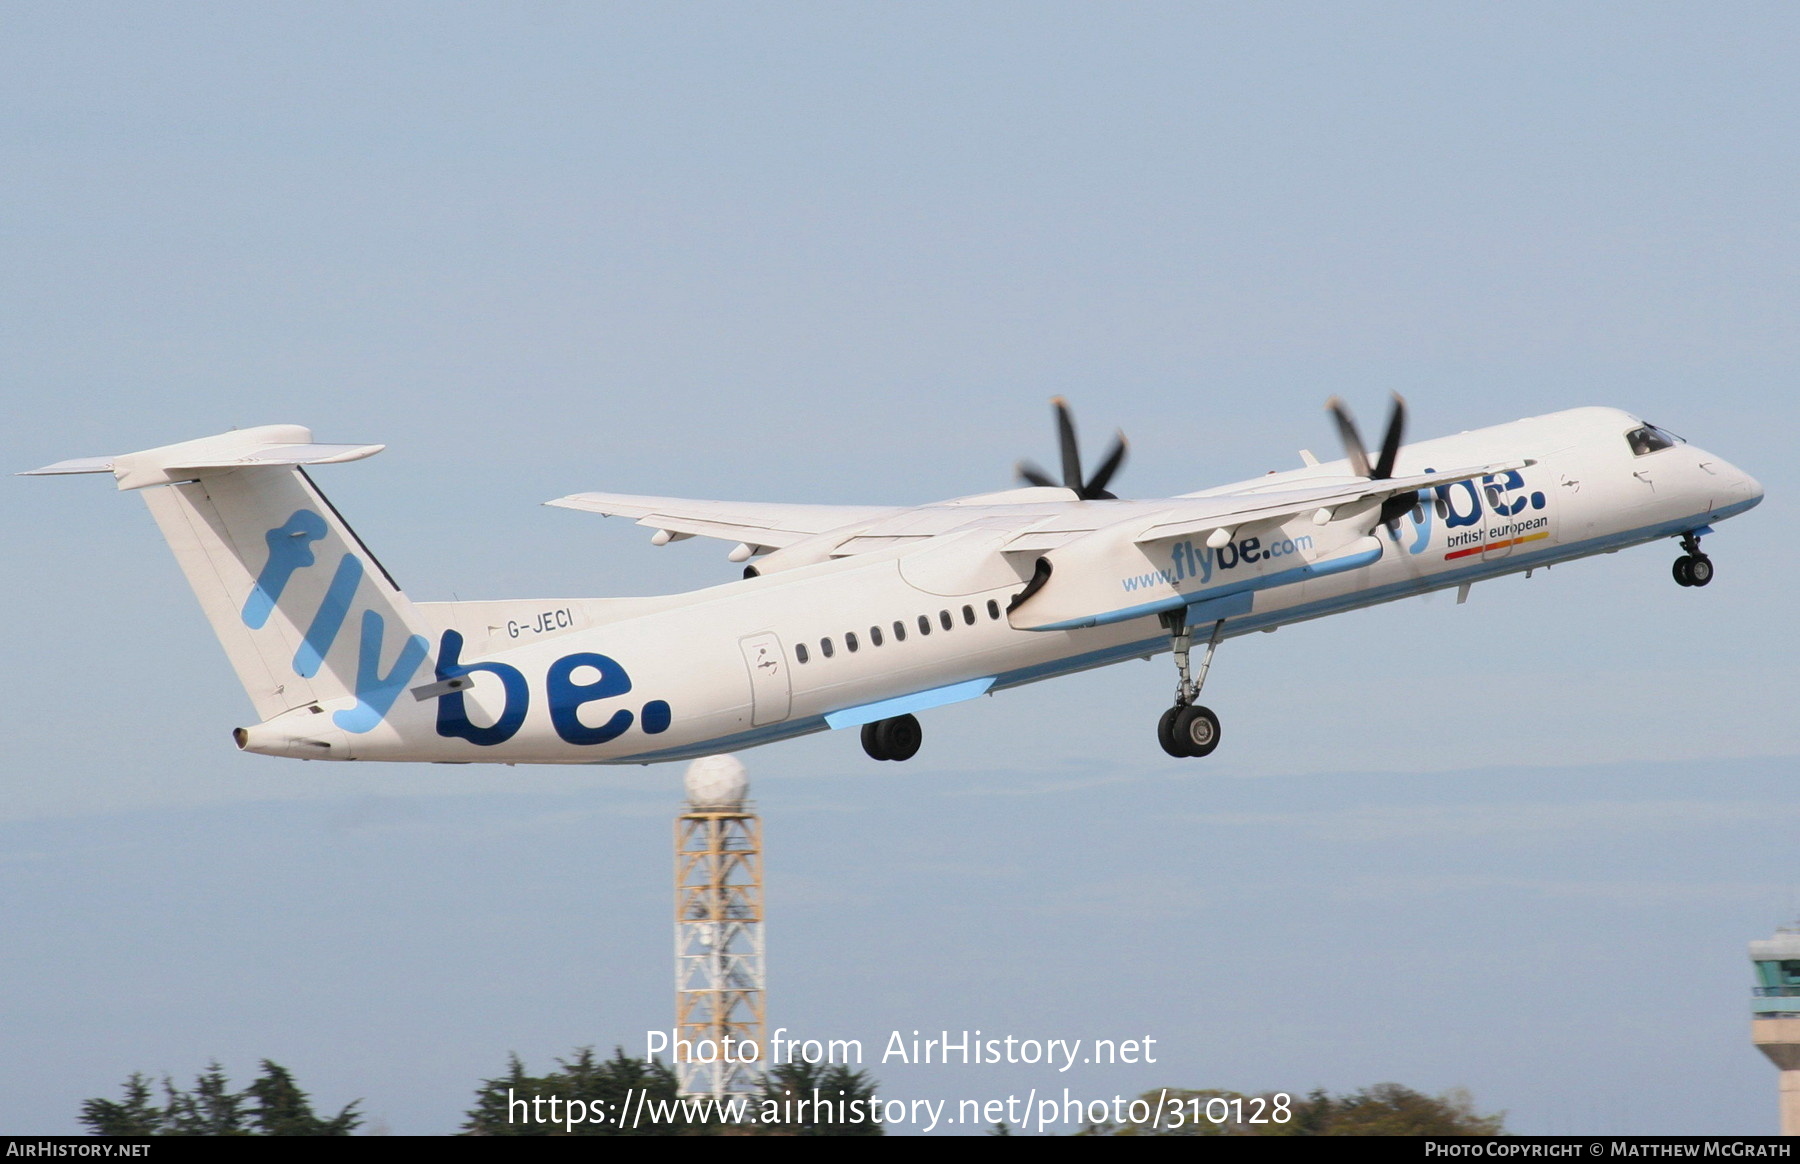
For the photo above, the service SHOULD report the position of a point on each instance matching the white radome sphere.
(717, 782)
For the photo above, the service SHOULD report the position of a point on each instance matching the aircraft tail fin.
(305, 612)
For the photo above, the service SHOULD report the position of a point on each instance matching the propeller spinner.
(1089, 489)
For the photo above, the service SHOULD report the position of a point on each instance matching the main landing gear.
(893, 739)
(1187, 729)
(1692, 568)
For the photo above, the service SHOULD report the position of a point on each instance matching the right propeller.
(1383, 469)
(1090, 489)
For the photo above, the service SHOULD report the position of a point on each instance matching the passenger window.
(825, 647)
(924, 625)
(969, 615)
(899, 632)
(993, 610)
(875, 635)
(850, 641)
(944, 617)
(800, 652)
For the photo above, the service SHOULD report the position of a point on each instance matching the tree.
(817, 1099)
(212, 1108)
(1180, 1111)
(638, 1097)
(135, 1116)
(1386, 1109)
(517, 1104)
(282, 1109)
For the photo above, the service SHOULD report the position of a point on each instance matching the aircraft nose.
(1742, 491)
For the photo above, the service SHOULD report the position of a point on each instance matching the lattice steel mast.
(720, 980)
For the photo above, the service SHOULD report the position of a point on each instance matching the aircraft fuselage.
(846, 640)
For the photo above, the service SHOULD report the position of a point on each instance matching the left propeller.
(1394, 507)
(1088, 489)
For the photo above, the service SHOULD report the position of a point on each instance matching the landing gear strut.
(1692, 568)
(1187, 729)
(892, 739)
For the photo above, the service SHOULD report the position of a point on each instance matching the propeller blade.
(1353, 445)
(1395, 508)
(1095, 489)
(1089, 489)
(1071, 456)
(1031, 474)
(1390, 444)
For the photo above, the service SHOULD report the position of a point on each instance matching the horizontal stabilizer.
(78, 465)
(308, 454)
(269, 445)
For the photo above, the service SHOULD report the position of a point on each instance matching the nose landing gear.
(1188, 730)
(1693, 568)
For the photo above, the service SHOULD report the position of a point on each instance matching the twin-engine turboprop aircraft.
(862, 617)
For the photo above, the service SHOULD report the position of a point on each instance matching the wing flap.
(868, 545)
(1042, 541)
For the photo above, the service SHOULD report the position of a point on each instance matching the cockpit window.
(1650, 439)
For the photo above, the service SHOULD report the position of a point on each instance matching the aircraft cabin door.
(770, 695)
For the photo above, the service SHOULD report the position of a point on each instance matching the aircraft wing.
(768, 524)
(773, 525)
(1173, 517)
(1199, 514)
(1077, 582)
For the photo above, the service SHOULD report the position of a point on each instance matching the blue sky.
(847, 253)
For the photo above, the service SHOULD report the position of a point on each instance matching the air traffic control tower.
(1775, 1016)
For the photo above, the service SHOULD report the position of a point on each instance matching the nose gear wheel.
(1693, 568)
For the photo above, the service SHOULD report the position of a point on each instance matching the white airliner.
(862, 617)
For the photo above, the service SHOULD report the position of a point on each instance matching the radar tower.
(720, 981)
